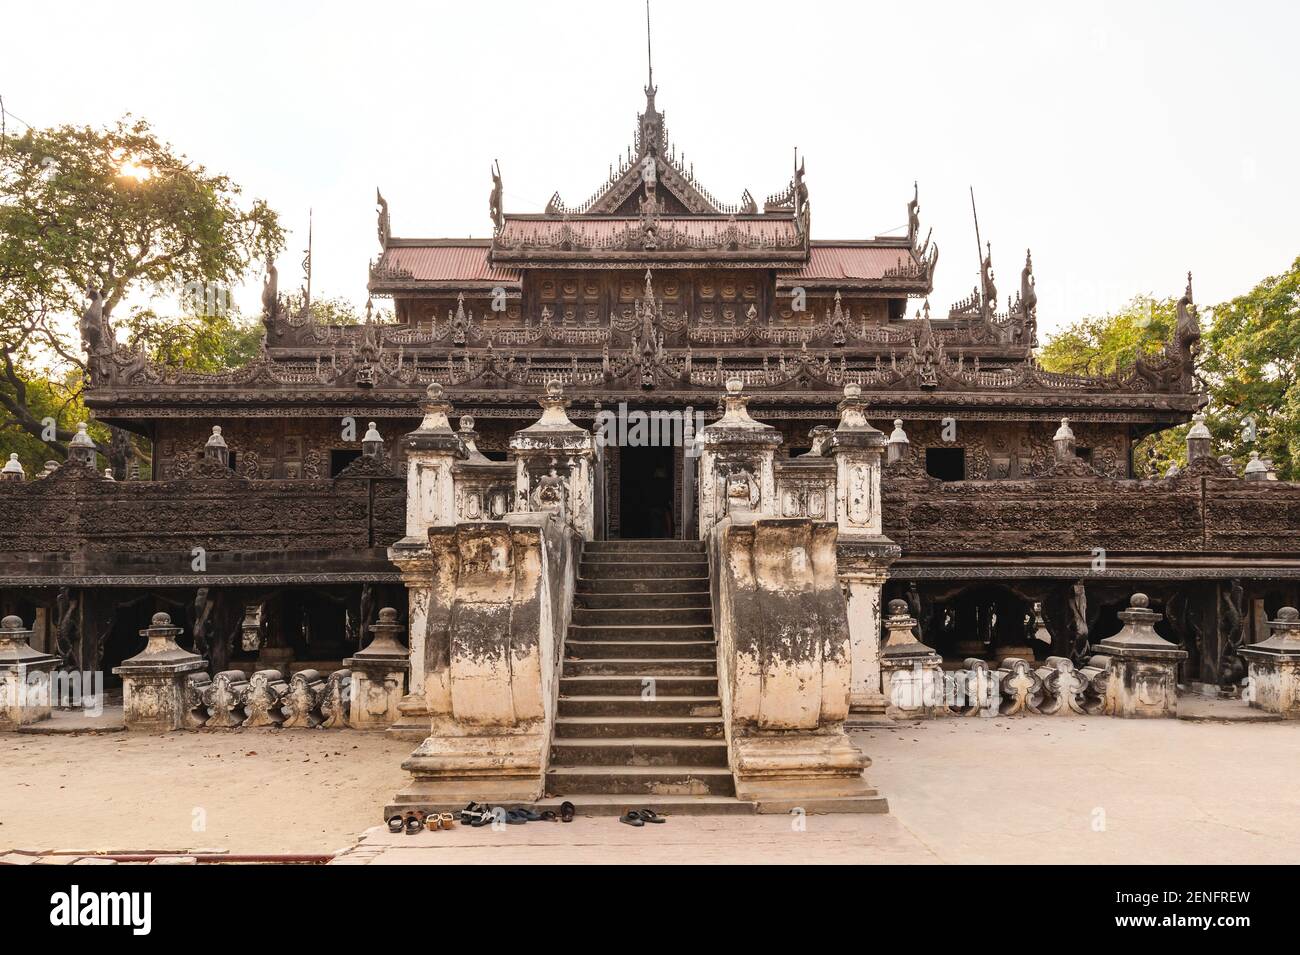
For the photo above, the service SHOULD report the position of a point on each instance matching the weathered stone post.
(864, 552)
(24, 677)
(898, 446)
(13, 469)
(736, 474)
(81, 448)
(1143, 671)
(911, 672)
(153, 681)
(553, 464)
(431, 450)
(1275, 666)
(215, 451)
(1200, 443)
(379, 675)
(1063, 442)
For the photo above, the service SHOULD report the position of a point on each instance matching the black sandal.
(567, 811)
(414, 823)
(632, 818)
(649, 815)
(396, 824)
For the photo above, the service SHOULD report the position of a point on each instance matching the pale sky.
(1126, 143)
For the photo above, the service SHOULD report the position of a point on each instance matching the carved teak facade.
(651, 295)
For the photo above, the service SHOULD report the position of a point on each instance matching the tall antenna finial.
(649, 58)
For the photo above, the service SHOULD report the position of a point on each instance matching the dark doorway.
(646, 492)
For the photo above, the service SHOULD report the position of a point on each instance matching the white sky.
(1125, 143)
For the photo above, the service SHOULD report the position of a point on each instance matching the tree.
(115, 210)
(1249, 363)
(1100, 345)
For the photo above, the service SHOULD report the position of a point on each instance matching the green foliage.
(1249, 362)
(1100, 345)
(195, 342)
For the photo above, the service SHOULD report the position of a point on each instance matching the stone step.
(641, 649)
(595, 804)
(616, 727)
(652, 546)
(603, 557)
(640, 585)
(641, 781)
(665, 684)
(639, 667)
(638, 751)
(641, 569)
(632, 601)
(622, 632)
(663, 615)
(633, 707)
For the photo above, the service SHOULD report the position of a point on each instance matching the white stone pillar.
(554, 464)
(737, 476)
(864, 552)
(431, 450)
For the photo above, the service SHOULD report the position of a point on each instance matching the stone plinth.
(500, 593)
(1275, 666)
(1143, 677)
(153, 681)
(784, 667)
(379, 675)
(911, 673)
(24, 677)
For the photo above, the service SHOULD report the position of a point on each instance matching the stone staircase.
(639, 721)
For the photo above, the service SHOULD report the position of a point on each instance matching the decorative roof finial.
(650, 89)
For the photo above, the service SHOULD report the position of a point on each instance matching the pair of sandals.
(476, 815)
(417, 820)
(639, 817)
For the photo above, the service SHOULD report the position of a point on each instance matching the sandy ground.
(246, 791)
(1035, 790)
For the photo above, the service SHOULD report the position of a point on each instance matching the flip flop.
(567, 811)
(649, 815)
(548, 815)
(515, 817)
(632, 818)
(396, 823)
(530, 815)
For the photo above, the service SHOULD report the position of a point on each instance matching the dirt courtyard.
(1035, 790)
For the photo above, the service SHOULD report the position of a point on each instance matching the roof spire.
(650, 63)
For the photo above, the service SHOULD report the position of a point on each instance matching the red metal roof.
(849, 262)
(447, 263)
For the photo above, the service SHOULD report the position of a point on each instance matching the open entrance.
(646, 492)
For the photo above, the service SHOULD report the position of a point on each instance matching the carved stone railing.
(1133, 675)
(85, 524)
